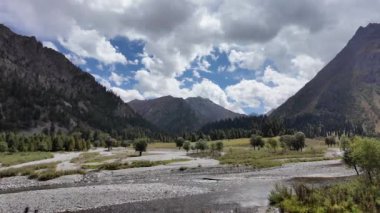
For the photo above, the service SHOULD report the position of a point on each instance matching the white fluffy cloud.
(75, 59)
(210, 90)
(104, 82)
(299, 37)
(89, 43)
(117, 79)
(246, 60)
(272, 89)
(50, 45)
(127, 95)
(307, 66)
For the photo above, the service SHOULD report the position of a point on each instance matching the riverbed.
(201, 185)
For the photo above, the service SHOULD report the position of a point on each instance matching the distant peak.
(167, 97)
(197, 98)
(372, 30)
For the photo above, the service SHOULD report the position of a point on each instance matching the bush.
(140, 145)
(179, 142)
(279, 194)
(219, 146)
(299, 141)
(257, 141)
(272, 142)
(201, 145)
(293, 142)
(3, 146)
(366, 154)
(330, 141)
(187, 146)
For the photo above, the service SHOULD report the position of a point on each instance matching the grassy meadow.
(240, 152)
(9, 159)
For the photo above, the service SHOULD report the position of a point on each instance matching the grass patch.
(96, 157)
(52, 174)
(256, 159)
(42, 172)
(352, 196)
(93, 157)
(162, 146)
(27, 170)
(9, 159)
(128, 165)
(239, 154)
(241, 142)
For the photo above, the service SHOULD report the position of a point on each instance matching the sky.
(248, 56)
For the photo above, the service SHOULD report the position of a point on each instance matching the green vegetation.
(239, 152)
(40, 172)
(179, 142)
(12, 142)
(128, 165)
(94, 157)
(272, 143)
(293, 142)
(8, 159)
(201, 145)
(257, 141)
(266, 158)
(244, 127)
(330, 141)
(187, 146)
(140, 145)
(359, 195)
(352, 196)
(160, 145)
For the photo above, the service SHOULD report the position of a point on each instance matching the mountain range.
(177, 115)
(345, 94)
(41, 89)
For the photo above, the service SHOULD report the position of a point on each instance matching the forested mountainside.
(41, 89)
(344, 95)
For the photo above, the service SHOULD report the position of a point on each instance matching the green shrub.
(257, 141)
(140, 145)
(3, 146)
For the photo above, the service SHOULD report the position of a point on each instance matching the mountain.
(345, 94)
(40, 88)
(177, 115)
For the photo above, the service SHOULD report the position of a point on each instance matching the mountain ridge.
(47, 89)
(345, 94)
(178, 115)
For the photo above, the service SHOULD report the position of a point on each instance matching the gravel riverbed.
(156, 189)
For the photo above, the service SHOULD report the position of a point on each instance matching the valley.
(189, 106)
(183, 184)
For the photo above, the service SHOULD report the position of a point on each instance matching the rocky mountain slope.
(40, 88)
(176, 115)
(345, 94)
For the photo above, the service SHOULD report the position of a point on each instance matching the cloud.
(90, 44)
(270, 90)
(75, 59)
(117, 79)
(251, 60)
(297, 37)
(154, 85)
(127, 95)
(50, 45)
(307, 66)
(104, 82)
(210, 90)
